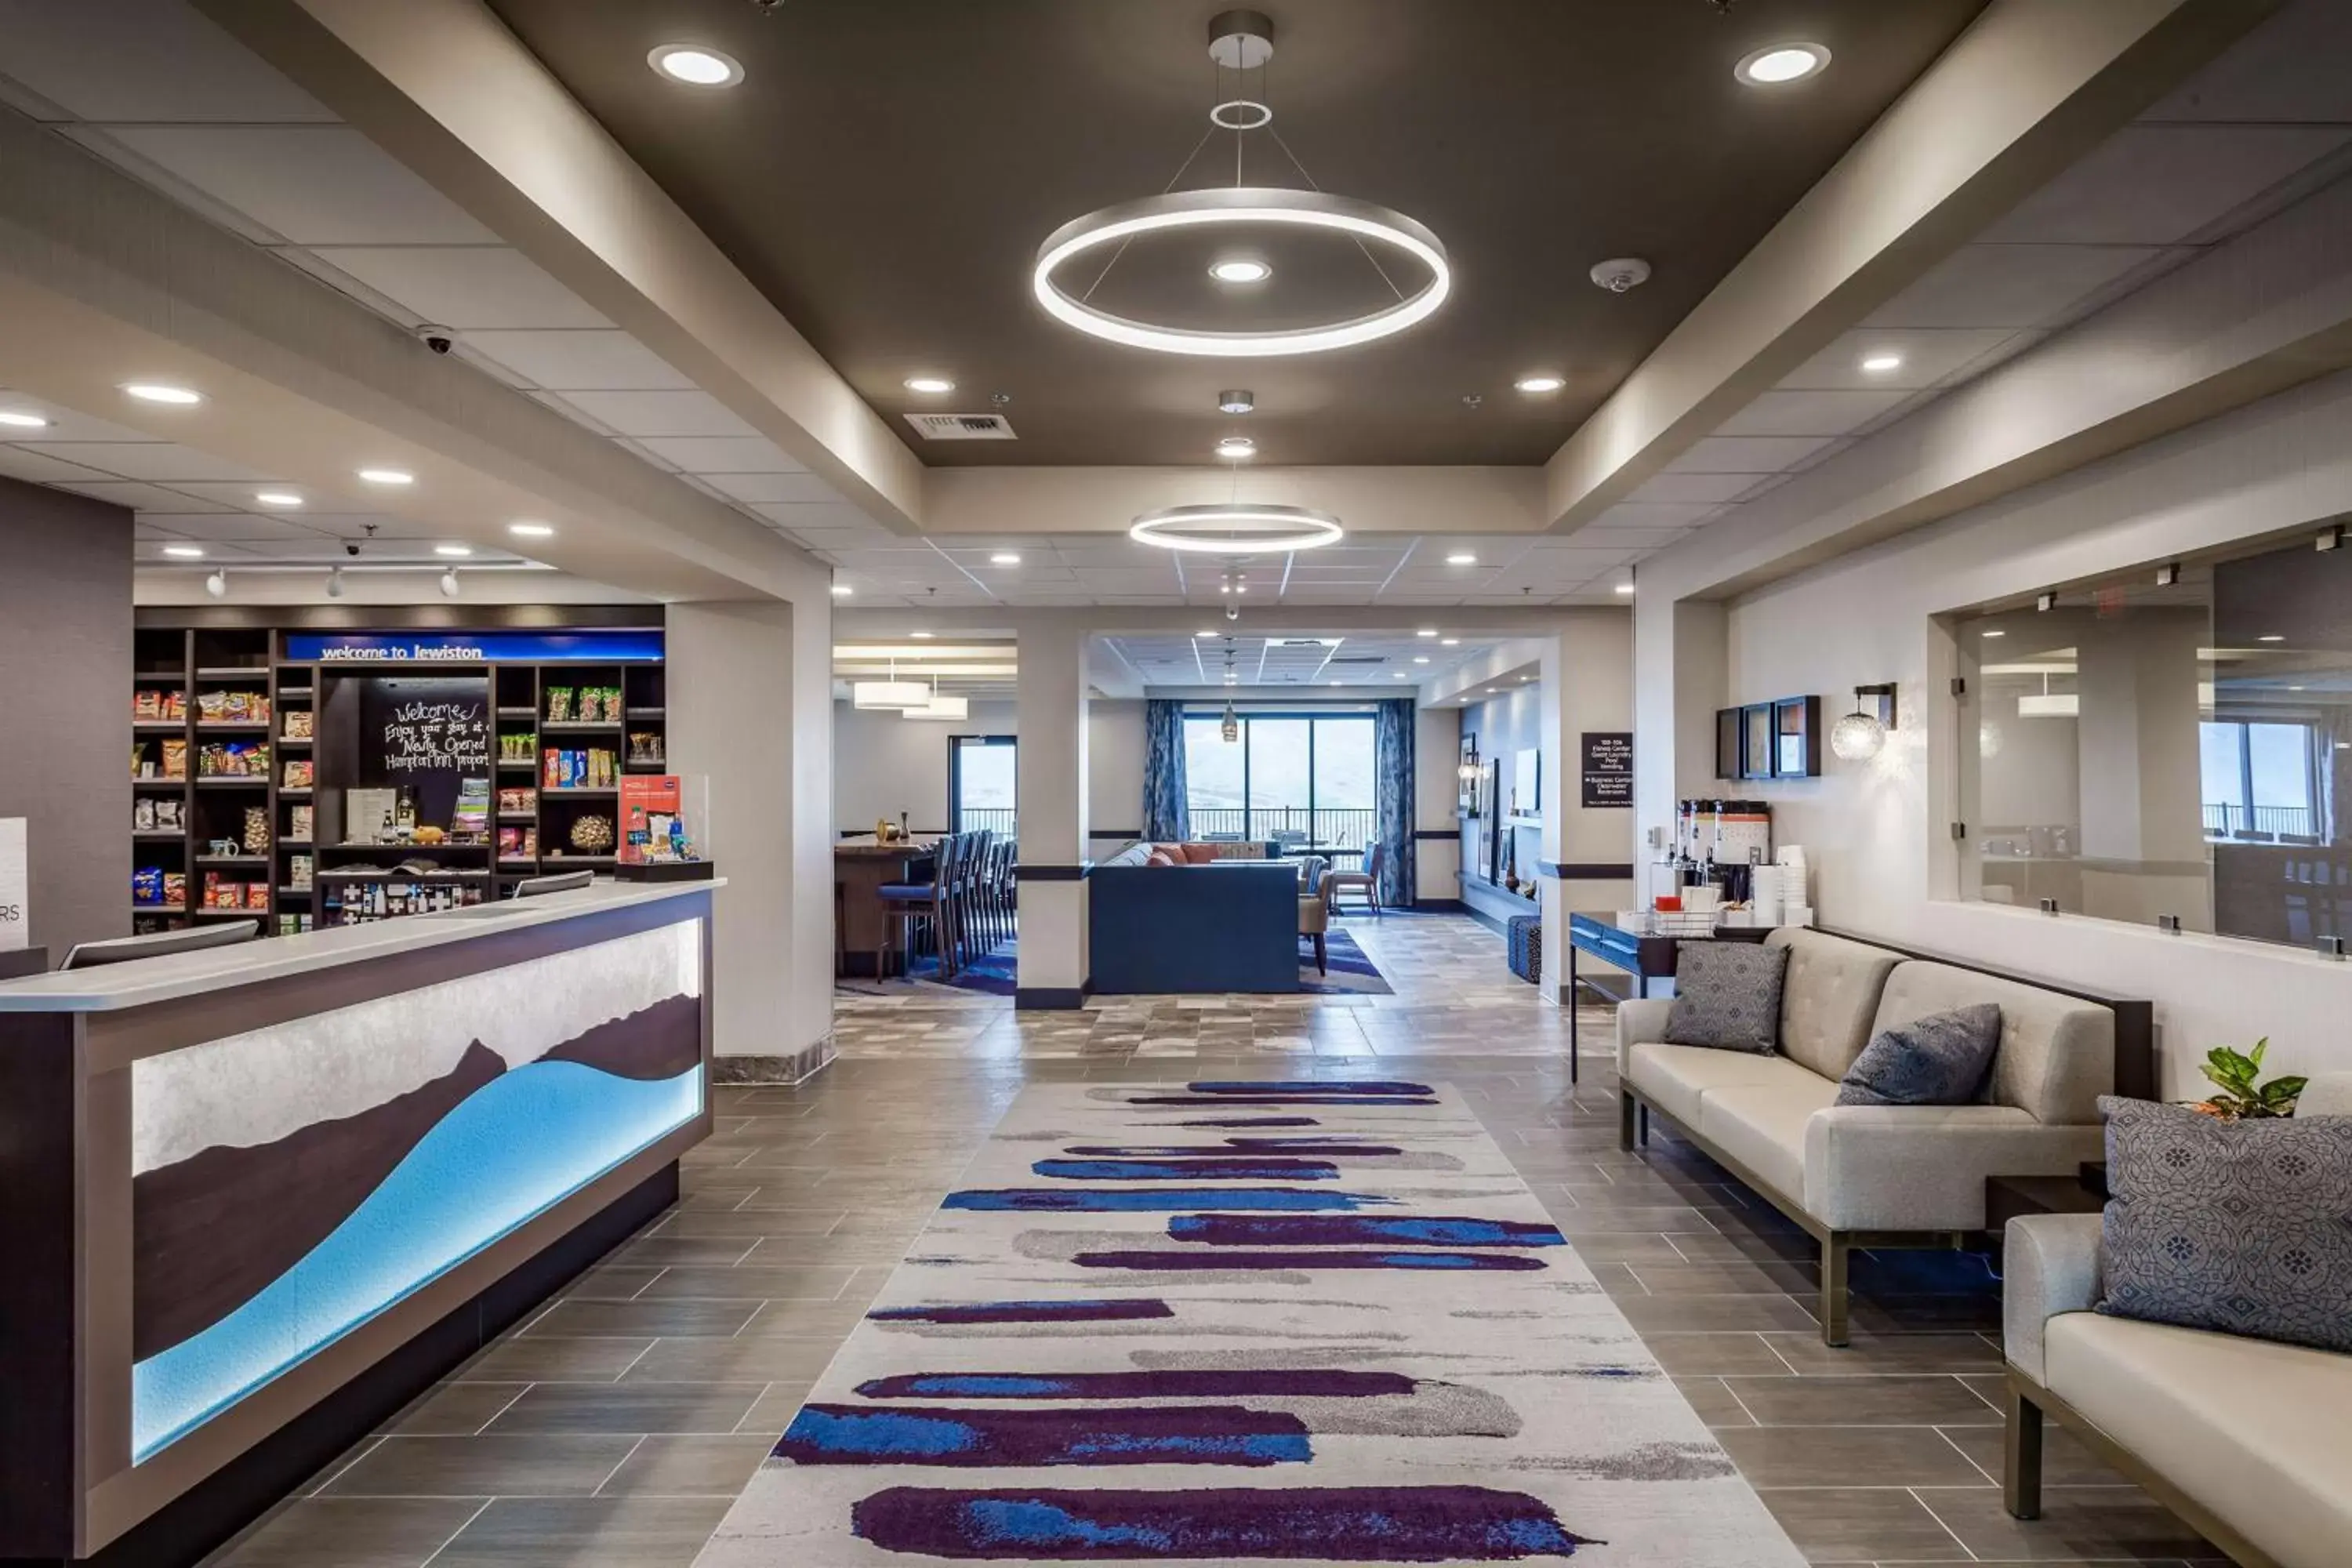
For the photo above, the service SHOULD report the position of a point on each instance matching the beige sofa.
(1874, 1176)
(2248, 1440)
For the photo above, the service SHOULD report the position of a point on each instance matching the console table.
(1645, 958)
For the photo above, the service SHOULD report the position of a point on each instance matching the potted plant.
(2243, 1097)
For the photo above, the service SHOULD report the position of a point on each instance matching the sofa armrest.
(2050, 1264)
(1640, 1021)
(2327, 1094)
(1923, 1167)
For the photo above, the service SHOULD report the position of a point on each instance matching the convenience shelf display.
(256, 751)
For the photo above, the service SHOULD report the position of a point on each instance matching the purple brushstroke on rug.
(1360, 1230)
(1147, 1435)
(1235, 1168)
(1233, 1146)
(1027, 1313)
(1149, 1199)
(1433, 1262)
(1307, 1382)
(1203, 1101)
(1244, 1121)
(1324, 1524)
(1370, 1088)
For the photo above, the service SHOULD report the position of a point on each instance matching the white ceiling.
(1301, 662)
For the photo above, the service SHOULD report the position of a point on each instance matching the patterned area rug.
(1245, 1322)
(1351, 972)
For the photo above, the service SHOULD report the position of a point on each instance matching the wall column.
(1054, 970)
(64, 708)
(771, 831)
(1587, 852)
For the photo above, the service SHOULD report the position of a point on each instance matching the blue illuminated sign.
(475, 647)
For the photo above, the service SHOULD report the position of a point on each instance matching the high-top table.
(253, 1199)
(861, 867)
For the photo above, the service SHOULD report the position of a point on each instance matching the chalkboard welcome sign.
(426, 734)
(450, 736)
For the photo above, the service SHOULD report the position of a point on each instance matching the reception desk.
(256, 1197)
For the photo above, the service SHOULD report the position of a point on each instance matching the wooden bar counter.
(860, 868)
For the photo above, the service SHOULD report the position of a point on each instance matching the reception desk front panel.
(283, 1181)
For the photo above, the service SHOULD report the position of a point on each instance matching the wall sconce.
(1469, 771)
(1861, 734)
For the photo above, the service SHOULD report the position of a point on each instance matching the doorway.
(981, 784)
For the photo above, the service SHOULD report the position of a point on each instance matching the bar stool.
(905, 903)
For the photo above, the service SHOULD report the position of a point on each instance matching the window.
(982, 772)
(1304, 778)
(2176, 746)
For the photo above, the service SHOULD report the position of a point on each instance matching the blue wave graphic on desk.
(517, 1147)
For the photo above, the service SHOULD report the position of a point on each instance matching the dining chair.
(907, 905)
(1367, 881)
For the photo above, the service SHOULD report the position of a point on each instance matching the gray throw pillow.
(1727, 996)
(2242, 1227)
(1940, 1060)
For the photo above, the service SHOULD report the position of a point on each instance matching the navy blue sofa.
(1188, 930)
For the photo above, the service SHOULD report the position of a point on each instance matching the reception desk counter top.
(186, 974)
(260, 1196)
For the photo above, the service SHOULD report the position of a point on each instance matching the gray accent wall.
(64, 707)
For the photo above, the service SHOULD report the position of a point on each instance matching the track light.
(334, 583)
(217, 584)
(449, 584)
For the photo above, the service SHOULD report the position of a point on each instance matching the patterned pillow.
(1940, 1060)
(2243, 1226)
(1727, 996)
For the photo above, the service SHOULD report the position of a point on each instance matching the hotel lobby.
(1359, 782)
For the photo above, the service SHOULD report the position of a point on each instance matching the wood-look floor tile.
(688, 1466)
(456, 1409)
(750, 1357)
(585, 1532)
(1735, 1314)
(2114, 1523)
(538, 1465)
(663, 1319)
(690, 1282)
(351, 1533)
(1834, 1455)
(707, 1408)
(1862, 1525)
(1864, 1402)
(554, 1359)
(1876, 1353)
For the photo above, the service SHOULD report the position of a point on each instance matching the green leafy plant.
(2238, 1075)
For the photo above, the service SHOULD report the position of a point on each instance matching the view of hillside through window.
(1306, 779)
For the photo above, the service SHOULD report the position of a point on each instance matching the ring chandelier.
(1242, 41)
(1236, 528)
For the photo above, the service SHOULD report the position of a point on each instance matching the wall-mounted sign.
(16, 914)
(421, 735)
(1608, 771)
(475, 647)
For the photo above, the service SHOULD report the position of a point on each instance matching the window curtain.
(1393, 727)
(1165, 819)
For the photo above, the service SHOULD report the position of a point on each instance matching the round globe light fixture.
(1857, 737)
(1237, 529)
(1241, 207)
(696, 65)
(1776, 64)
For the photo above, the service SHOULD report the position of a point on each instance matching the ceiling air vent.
(1361, 658)
(962, 427)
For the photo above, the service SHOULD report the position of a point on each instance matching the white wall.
(1884, 862)
(883, 764)
(1114, 771)
(1436, 755)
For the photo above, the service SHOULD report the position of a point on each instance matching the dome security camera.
(440, 340)
(1621, 273)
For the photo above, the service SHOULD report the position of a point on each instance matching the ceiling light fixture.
(1882, 363)
(334, 583)
(893, 693)
(1450, 642)
(2270, 636)
(1237, 529)
(1240, 269)
(1236, 448)
(1242, 41)
(1626, 588)
(1777, 65)
(1539, 383)
(216, 584)
(1420, 658)
(920, 637)
(455, 551)
(842, 590)
(15, 420)
(696, 65)
(277, 497)
(1861, 734)
(929, 385)
(449, 584)
(1996, 632)
(1005, 558)
(1237, 400)
(184, 551)
(387, 476)
(163, 392)
(1426, 632)
(531, 530)
(1461, 558)
(941, 708)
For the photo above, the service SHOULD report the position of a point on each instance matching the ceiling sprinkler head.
(1239, 400)
(1472, 401)
(999, 399)
(1621, 273)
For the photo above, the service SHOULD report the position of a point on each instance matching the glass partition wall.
(2176, 742)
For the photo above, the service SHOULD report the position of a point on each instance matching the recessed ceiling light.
(696, 65)
(929, 385)
(2272, 637)
(1236, 447)
(1461, 558)
(278, 497)
(1240, 269)
(15, 420)
(1204, 634)
(1426, 632)
(1623, 588)
(1544, 381)
(1005, 558)
(531, 530)
(184, 551)
(1400, 674)
(2294, 688)
(842, 590)
(1776, 63)
(2290, 689)
(1420, 658)
(1996, 634)
(162, 392)
(1450, 642)
(387, 476)
(920, 637)
(455, 551)
(1881, 363)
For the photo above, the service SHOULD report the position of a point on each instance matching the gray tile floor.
(617, 1425)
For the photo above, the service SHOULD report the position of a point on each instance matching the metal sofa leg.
(1833, 1289)
(2021, 1467)
(1322, 955)
(1628, 1115)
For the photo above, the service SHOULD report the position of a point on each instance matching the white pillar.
(1588, 687)
(1054, 970)
(750, 709)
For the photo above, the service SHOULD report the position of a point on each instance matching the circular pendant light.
(1239, 208)
(1236, 528)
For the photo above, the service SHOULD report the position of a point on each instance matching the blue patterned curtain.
(1392, 726)
(1165, 820)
